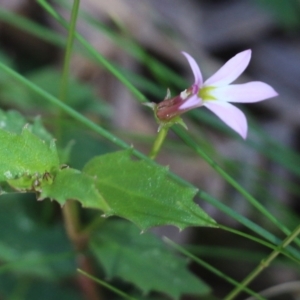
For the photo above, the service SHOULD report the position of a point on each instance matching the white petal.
(230, 115)
(195, 68)
(248, 92)
(231, 70)
(190, 103)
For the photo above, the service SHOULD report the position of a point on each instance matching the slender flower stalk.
(158, 142)
(215, 94)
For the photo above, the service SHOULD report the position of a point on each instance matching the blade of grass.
(105, 284)
(263, 264)
(212, 269)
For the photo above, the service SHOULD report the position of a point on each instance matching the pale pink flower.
(216, 93)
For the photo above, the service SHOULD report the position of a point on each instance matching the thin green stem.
(64, 83)
(212, 269)
(72, 223)
(105, 284)
(263, 264)
(70, 209)
(158, 142)
(68, 52)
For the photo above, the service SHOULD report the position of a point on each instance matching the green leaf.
(72, 184)
(143, 193)
(143, 260)
(25, 159)
(28, 247)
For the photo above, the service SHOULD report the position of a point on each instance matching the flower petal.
(195, 68)
(248, 92)
(192, 102)
(231, 70)
(230, 115)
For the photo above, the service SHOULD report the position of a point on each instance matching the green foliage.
(112, 183)
(72, 184)
(144, 193)
(25, 159)
(135, 257)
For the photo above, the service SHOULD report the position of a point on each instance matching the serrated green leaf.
(72, 184)
(143, 193)
(143, 260)
(25, 158)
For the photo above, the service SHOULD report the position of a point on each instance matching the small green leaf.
(144, 193)
(72, 184)
(143, 260)
(25, 158)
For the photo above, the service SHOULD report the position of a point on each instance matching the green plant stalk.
(70, 209)
(212, 269)
(263, 264)
(115, 140)
(72, 223)
(68, 52)
(158, 142)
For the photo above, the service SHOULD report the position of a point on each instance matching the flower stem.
(158, 142)
(263, 264)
